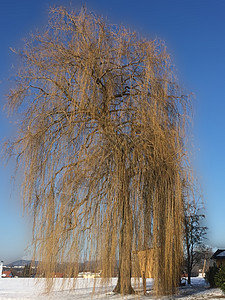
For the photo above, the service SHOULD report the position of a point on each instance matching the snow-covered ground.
(29, 288)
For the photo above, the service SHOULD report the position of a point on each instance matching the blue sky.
(194, 32)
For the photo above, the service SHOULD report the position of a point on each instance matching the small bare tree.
(102, 145)
(194, 235)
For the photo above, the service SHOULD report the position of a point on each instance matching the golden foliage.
(102, 146)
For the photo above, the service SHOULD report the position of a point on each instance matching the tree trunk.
(124, 277)
(125, 243)
(144, 282)
(203, 269)
(189, 265)
(123, 285)
(187, 238)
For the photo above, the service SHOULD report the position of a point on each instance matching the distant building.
(89, 275)
(1, 268)
(7, 274)
(219, 257)
(58, 275)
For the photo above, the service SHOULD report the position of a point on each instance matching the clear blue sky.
(194, 31)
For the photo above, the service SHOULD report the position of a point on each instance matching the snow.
(30, 288)
(222, 254)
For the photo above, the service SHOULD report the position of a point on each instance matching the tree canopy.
(102, 146)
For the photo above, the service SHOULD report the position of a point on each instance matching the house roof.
(219, 254)
(58, 275)
(7, 273)
(222, 254)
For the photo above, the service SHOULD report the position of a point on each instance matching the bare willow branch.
(102, 145)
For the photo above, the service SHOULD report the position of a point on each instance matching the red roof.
(58, 275)
(7, 274)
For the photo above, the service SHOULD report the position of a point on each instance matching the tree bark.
(124, 277)
(144, 282)
(125, 243)
(123, 285)
(189, 265)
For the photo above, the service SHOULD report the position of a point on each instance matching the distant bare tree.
(102, 145)
(194, 235)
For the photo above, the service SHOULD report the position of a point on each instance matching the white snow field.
(33, 289)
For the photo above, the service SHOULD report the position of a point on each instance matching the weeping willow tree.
(101, 143)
